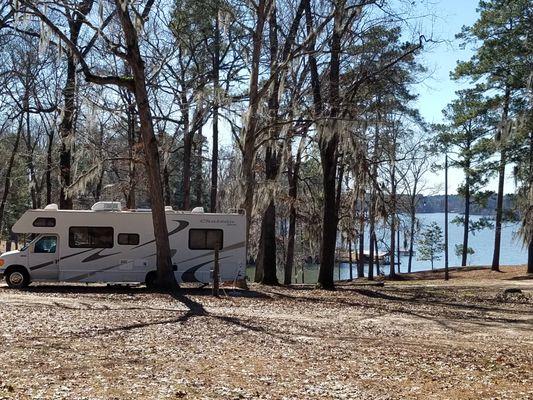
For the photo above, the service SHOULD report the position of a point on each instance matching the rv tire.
(150, 279)
(17, 277)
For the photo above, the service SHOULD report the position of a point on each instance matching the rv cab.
(43, 249)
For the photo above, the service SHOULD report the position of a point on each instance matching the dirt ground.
(419, 338)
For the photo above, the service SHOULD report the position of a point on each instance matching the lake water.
(512, 251)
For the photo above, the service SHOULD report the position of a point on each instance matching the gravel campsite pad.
(420, 338)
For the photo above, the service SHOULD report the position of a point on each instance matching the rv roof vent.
(52, 207)
(198, 210)
(107, 206)
(169, 208)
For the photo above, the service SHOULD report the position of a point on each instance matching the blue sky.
(444, 19)
(437, 90)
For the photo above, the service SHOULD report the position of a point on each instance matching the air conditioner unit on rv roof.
(107, 206)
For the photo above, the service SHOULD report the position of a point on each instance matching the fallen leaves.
(403, 340)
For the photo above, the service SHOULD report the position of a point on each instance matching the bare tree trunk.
(166, 278)
(499, 213)
(412, 228)
(98, 187)
(131, 201)
(251, 123)
(48, 172)
(293, 174)
(466, 223)
(328, 143)
(289, 262)
(398, 247)
(350, 257)
(265, 271)
(267, 262)
(66, 132)
(249, 180)
(199, 176)
(67, 125)
(216, 89)
(329, 216)
(371, 253)
(34, 192)
(187, 150)
(372, 206)
(392, 249)
(446, 257)
(501, 180)
(377, 254)
(361, 259)
(166, 185)
(100, 182)
(9, 169)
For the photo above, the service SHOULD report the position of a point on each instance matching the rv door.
(44, 258)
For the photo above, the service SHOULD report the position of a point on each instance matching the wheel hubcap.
(16, 278)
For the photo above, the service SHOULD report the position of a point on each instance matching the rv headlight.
(2, 262)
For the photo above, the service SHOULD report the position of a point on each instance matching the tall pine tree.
(499, 68)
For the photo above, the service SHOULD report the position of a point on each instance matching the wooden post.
(216, 274)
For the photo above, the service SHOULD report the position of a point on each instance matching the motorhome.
(109, 244)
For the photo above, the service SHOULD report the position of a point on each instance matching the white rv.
(108, 244)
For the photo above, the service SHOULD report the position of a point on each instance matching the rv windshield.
(31, 238)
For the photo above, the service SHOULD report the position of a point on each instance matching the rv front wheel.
(150, 279)
(17, 278)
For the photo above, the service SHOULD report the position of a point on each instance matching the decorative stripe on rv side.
(172, 254)
(42, 265)
(88, 274)
(231, 247)
(98, 256)
(188, 276)
(62, 258)
(182, 225)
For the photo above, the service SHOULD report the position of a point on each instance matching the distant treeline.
(456, 204)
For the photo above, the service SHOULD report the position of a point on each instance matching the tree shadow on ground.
(193, 307)
(85, 289)
(521, 278)
(453, 311)
(133, 290)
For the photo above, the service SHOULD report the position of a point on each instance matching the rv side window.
(128, 238)
(90, 237)
(44, 222)
(205, 239)
(46, 244)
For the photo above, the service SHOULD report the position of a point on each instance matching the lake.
(512, 251)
